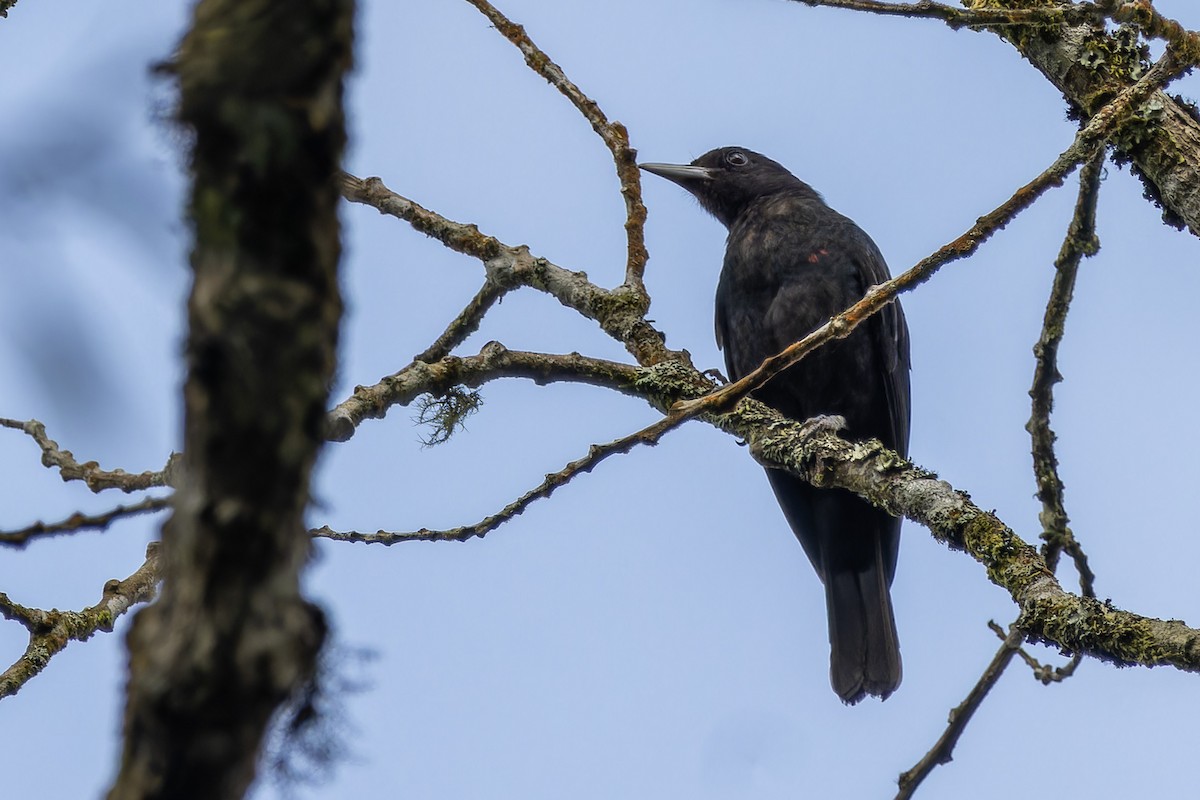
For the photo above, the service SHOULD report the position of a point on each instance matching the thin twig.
(1080, 241)
(51, 631)
(614, 135)
(942, 751)
(1045, 674)
(466, 323)
(650, 435)
(90, 473)
(82, 522)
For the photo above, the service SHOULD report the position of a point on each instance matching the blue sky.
(654, 630)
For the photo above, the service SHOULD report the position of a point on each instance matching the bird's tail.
(864, 648)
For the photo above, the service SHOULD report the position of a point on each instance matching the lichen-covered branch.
(83, 522)
(1044, 674)
(614, 135)
(1152, 23)
(620, 312)
(1070, 45)
(1080, 241)
(1047, 612)
(1090, 64)
(51, 631)
(1046, 16)
(90, 473)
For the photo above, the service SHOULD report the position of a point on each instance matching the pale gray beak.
(679, 173)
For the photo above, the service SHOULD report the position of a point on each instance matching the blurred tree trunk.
(232, 638)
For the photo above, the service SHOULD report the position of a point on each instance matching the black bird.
(792, 262)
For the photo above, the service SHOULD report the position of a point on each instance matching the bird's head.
(728, 179)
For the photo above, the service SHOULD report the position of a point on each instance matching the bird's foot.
(825, 423)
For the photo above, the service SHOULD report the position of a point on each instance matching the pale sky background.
(653, 630)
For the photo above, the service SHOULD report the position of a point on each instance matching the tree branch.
(80, 522)
(1080, 241)
(942, 751)
(620, 312)
(493, 361)
(466, 323)
(1152, 23)
(1047, 612)
(1090, 65)
(90, 473)
(1047, 16)
(649, 435)
(1045, 674)
(51, 631)
(1070, 46)
(614, 135)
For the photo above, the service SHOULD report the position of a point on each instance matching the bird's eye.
(736, 159)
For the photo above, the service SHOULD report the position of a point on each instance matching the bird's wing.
(892, 332)
(720, 323)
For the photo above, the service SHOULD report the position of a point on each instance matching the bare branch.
(493, 361)
(614, 135)
(97, 479)
(1080, 241)
(942, 751)
(620, 312)
(466, 323)
(51, 631)
(82, 522)
(1045, 674)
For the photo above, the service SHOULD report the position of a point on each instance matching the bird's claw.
(825, 423)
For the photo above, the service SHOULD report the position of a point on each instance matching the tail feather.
(864, 648)
(853, 547)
